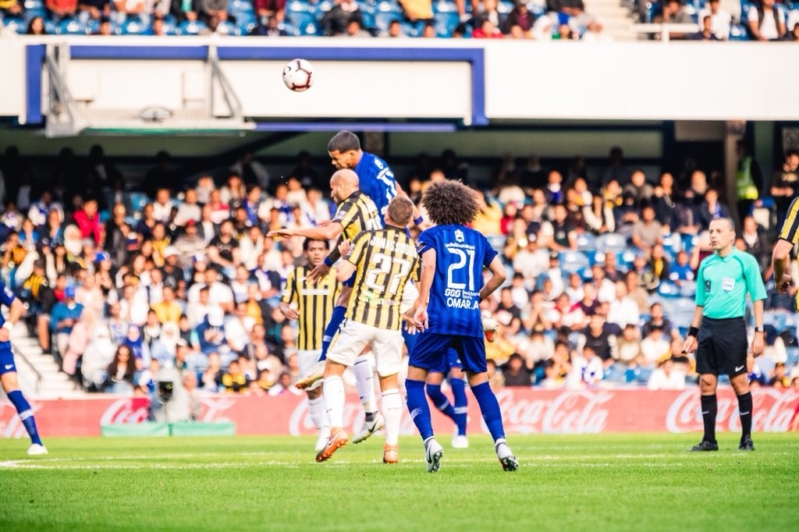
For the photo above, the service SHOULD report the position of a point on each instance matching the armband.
(328, 262)
(693, 331)
(418, 221)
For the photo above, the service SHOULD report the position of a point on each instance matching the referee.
(718, 330)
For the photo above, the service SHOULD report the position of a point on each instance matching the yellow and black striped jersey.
(790, 228)
(356, 214)
(385, 259)
(315, 302)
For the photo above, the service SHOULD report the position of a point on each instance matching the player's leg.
(426, 354)
(472, 355)
(458, 385)
(434, 381)
(337, 317)
(734, 344)
(364, 383)
(8, 379)
(316, 403)
(387, 349)
(353, 337)
(708, 370)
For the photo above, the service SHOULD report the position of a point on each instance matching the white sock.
(363, 382)
(318, 412)
(334, 400)
(392, 413)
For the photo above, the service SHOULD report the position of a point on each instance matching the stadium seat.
(384, 19)
(72, 27)
(414, 29)
(133, 27)
(504, 7)
(573, 261)
(33, 4)
(240, 6)
(612, 242)
(672, 243)
(446, 23)
(792, 356)
(586, 242)
(444, 6)
(738, 32)
(688, 289)
(304, 22)
(191, 28)
(298, 6)
(14, 24)
(668, 289)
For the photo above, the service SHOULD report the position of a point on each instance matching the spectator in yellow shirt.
(168, 310)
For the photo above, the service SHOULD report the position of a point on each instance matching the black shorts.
(722, 346)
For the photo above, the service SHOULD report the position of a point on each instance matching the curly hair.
(450, 203)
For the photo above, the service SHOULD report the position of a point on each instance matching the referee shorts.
(722, 346)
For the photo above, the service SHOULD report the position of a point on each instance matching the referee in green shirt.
(718, 330)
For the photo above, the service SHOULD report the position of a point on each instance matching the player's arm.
(328, 232)
(290, 296)
(352, 253)
(690, 340)
(498, 276)
(757, 291)
(418, 219)
(426, 276)
(15, 311)
(780, 258)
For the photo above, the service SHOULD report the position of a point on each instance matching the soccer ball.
(298, 75)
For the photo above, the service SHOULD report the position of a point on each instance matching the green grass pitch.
(596, 483)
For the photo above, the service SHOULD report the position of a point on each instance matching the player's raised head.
(344, 149)
(342, 184)
(450, 203)
(399, 212)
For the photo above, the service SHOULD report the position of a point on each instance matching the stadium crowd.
(120, 282)
(477, 19)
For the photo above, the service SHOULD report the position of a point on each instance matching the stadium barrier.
(524, 411)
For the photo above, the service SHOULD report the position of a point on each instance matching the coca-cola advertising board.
(524, 411)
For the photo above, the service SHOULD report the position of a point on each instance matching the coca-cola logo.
(578, 412)
(10, 424)
(773, 411)
(125, 411)
(212, 409)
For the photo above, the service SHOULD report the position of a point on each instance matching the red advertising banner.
(524, 411)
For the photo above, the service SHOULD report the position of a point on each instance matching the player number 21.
(383, 266)
(462, 262)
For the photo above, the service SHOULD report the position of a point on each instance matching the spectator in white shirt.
(198, 310)
(766, 21)
(555, 274)
(606, 290)
(219, 295)
(189, 209)
(666, 377)
(586, 369)
(623, 310)
(315, 209)
(655, 346)
(719, 19)
(531, 261)
(162, 208)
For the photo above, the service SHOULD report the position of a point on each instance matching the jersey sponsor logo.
(459, 235)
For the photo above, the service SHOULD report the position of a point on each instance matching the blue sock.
(490, 409)
(418, 407)
(25, 414)
(440, 400)
(332, 329)
(461, 404)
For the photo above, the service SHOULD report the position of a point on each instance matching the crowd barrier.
(524, 411)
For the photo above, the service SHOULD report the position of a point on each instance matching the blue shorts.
(434, 352)
(410, 339)
(451, 361)
(351, 281)
(7, 361)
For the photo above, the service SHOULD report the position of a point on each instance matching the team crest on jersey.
(459, 235)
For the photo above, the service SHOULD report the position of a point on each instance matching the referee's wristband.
(418, 221)
(693, 331)
(328, 262)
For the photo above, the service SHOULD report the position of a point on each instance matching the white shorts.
(353, 337)
(409, 296)
(306, 360)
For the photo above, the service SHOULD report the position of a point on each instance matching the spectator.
(655, 346)
(681, 270)
(666, 377)
(36, 27)
(283, 386)
(640, 190)
(94, 9)
(719, 19)
(234, 380)
(335, 21)
(587, 369)
(629, 345)
(766, 21)
(657, 319)
(623, 310)
(648, 231)
(780, 379)
(210, 9)
(531, 261)
(120, 375)
(516, 373)
(756, 242)
(606, 290)
(673, 12)
(563, 236)
(598, 216)
(706, 32)
(123, 8)
(211, 333)
(61, 9)
(88, 221)
(520, 16)
(355, 28)
(712, 209)
(793, 36)
(486, 30)
(12, 8)
(64, 316)
(598, 336)
(268, 26)
(274, 9)
(189, 246)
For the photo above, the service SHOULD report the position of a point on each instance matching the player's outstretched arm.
(327, 232)
(498, 276)
(780, 261)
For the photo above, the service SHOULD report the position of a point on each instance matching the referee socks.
(745, 411)
(710, 407)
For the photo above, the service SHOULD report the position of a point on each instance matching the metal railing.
(18, 355)
(665, 30)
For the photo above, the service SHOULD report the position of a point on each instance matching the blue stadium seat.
(72, 27)
(133, 27)
(240, 6)
(368, 19)
(412, 29)
(446, 23)
(33, 4)
(504, 7)
(191, 28)
(573, 261)
(304, 22)
(585, 241)
(793, 356)
(299, 6)
(672, 243)
(688, 288)
(444, 6)
(738, 33)
(612, 242)
(14, 24)
(669, 289)
(688, 242)
(34, 12)
(384, 19)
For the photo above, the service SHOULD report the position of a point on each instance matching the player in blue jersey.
(448, 312)
(375, 180)
(8, 371)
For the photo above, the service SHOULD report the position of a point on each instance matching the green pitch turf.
(596, 483)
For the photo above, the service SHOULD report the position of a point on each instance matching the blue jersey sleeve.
(488, 252)
(376, 180)
(6, 295)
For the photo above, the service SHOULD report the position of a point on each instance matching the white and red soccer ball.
(298, 75)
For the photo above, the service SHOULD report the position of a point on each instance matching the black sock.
(745, 411)
(709, 408)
